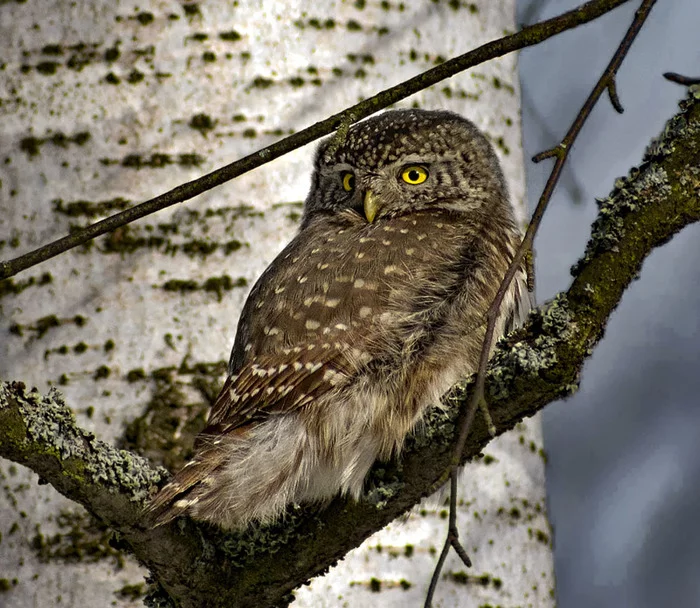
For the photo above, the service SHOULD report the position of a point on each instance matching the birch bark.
(108, 104)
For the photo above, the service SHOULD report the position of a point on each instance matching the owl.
(372, 312)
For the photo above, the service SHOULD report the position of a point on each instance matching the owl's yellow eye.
(348, 181)
(414, 175)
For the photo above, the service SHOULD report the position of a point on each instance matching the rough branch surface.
(199, 566)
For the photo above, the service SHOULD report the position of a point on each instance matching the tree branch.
(528, 36)
(200, 566)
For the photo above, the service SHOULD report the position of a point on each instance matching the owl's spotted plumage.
(364, 320)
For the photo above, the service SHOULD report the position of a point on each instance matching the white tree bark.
(104, 103)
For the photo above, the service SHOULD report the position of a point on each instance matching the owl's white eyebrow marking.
(419, 159)
(338, 167)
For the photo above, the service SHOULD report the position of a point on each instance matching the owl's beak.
(371, 205)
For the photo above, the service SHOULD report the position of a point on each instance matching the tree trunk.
(109, 104)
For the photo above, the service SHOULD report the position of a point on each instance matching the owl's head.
(404, 161)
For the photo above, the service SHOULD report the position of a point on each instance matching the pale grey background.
(624, 457)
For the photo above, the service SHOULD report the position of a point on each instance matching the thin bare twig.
(561, 153)
(614, 99)
(528, 36)
(451, 541)
(680, 79)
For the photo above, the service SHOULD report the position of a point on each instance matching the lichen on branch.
(40, 431)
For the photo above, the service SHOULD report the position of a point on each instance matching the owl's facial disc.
(402, 162)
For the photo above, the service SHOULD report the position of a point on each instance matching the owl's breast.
(353, 281)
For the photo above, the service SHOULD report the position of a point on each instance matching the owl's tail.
(182, 492)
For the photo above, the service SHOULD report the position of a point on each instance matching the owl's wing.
(279, 382)
(272, 383)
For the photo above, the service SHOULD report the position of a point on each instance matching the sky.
(623, 452)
